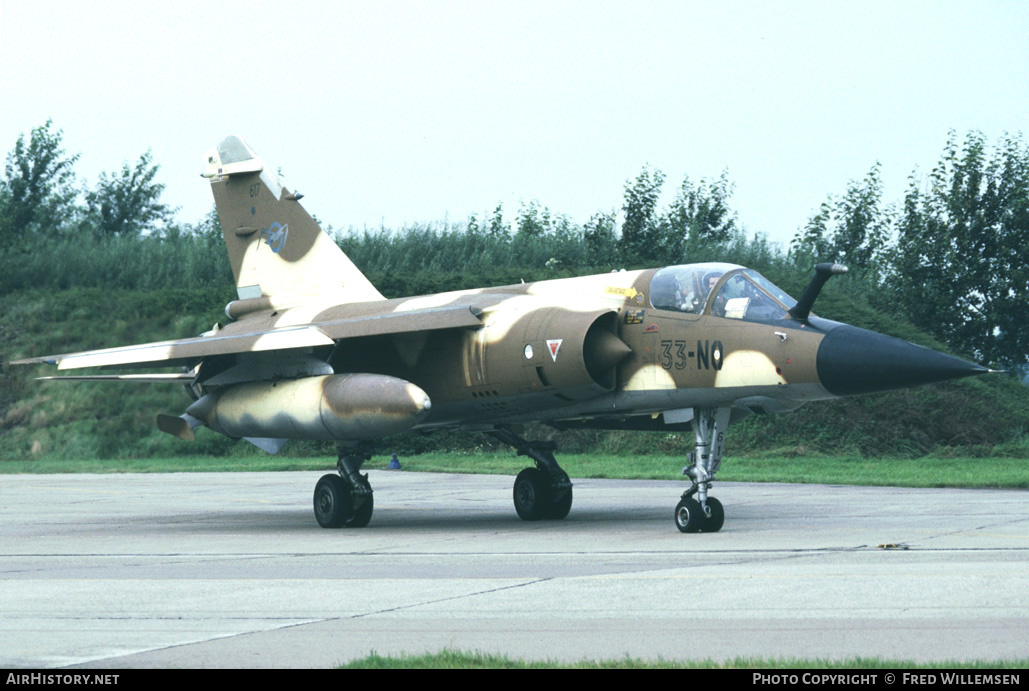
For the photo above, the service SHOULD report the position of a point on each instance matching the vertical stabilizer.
(275, 247)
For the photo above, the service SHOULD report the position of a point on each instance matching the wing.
(189, 351)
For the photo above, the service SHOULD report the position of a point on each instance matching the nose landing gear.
(704, 514)
(691, 517)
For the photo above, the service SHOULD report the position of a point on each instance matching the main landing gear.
(345, 499)
(703, 514)
(543, 492)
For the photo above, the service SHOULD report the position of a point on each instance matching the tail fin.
(276, 249)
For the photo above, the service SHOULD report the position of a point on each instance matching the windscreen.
(749, 296)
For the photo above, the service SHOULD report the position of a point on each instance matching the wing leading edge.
(191, 350)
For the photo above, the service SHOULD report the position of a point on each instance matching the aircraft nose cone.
(855, 361)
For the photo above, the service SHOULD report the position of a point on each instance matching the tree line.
(951, 256)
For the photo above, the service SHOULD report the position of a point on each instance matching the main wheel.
(332, 503)
(713, 523)
(363, 514)
(689, 516)
(556, 510)
(532, 494)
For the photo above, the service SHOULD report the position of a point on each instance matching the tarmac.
(216, 570)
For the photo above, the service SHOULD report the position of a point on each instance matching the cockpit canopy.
(724, 290)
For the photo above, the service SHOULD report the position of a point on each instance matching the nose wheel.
(703, 514)
(714, 517)
(692, 517)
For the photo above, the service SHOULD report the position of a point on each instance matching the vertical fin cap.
(231, 156)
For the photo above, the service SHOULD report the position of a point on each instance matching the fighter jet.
(313, 351)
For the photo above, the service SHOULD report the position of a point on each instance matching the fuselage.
(602, 350)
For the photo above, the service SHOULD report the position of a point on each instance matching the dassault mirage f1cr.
(314, 351)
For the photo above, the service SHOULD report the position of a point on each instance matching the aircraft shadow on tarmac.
(400, 520)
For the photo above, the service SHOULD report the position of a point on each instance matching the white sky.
(400, 112)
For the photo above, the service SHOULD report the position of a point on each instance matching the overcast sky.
(402, 112)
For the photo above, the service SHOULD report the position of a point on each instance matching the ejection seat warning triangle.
(554, 345)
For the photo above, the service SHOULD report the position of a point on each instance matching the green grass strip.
(454, 659)
(989, 472)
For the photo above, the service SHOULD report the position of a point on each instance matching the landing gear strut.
(543, 492)
(345, 499)
(704, 514)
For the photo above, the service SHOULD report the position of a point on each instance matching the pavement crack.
(979, 528)
(451, 598)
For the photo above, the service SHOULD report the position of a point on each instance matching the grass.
(987, 472)
(453, 659)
